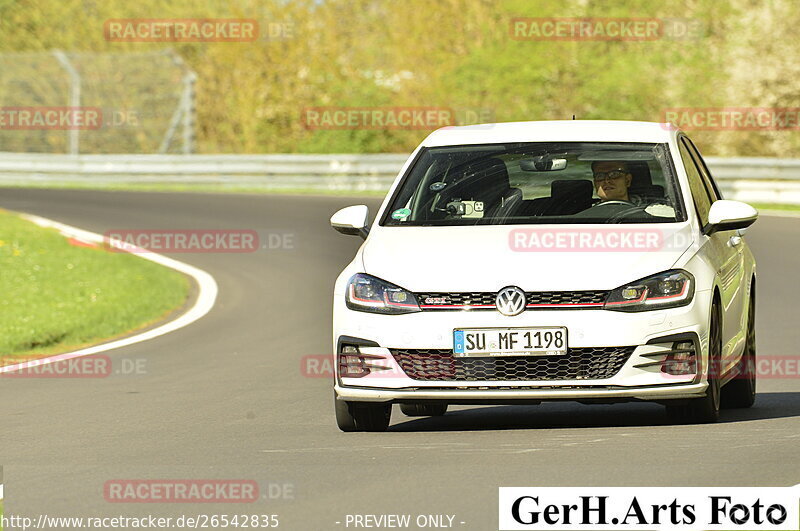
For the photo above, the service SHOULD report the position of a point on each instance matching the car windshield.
(538, 183)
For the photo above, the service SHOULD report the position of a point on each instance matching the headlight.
(664, 290)
(366, 293)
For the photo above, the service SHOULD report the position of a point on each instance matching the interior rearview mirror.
(542, 163)
(352, 220)
(729, 215)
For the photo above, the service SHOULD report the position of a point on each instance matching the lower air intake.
(578, 364)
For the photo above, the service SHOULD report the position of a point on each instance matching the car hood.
(487, 258)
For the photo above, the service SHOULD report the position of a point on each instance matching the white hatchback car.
(592, 261)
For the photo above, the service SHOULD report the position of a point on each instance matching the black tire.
(362, 416)
(706, 409)
(423, 410)
(344, 420)
(741, 391)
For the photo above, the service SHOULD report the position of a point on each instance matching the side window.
(701, 165)
(700, 196)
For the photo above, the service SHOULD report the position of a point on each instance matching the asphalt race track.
(226, 398)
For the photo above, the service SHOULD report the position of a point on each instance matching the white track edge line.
(206, 298)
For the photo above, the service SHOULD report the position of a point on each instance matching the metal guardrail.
(760, 180)
(316, 172)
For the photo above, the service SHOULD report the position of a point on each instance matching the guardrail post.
(185, 112)
(74, 98)
(188, 112)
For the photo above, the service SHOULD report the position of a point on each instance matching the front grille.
(456, 299)
(485, 300)
(592, 363)
(567, 297)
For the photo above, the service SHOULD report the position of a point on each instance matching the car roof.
(553, 131)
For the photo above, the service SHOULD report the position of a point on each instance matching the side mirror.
(352, 220)
(729, 215)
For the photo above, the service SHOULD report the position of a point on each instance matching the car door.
(723, 253)
(734, 241)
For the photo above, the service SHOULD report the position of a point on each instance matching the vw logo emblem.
(510, 301)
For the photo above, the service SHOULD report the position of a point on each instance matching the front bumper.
(638, 379)
(495, 396)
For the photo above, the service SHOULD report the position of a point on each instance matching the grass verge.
(769, 206)
(58, 296)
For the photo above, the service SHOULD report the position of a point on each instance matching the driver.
(611, 180)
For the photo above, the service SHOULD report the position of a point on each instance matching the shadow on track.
(560, 415)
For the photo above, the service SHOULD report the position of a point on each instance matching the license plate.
(541, 341)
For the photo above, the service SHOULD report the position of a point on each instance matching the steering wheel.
(612, 202)
(622, 212)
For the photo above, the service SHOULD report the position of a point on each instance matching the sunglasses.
(609, 175)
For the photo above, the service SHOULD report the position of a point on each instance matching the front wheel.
(362, 416)
(741, 392)
(706, 409)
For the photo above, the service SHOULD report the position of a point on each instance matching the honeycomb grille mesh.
(430, 300)
(567, 297)
(458, 299)
(592, 363)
